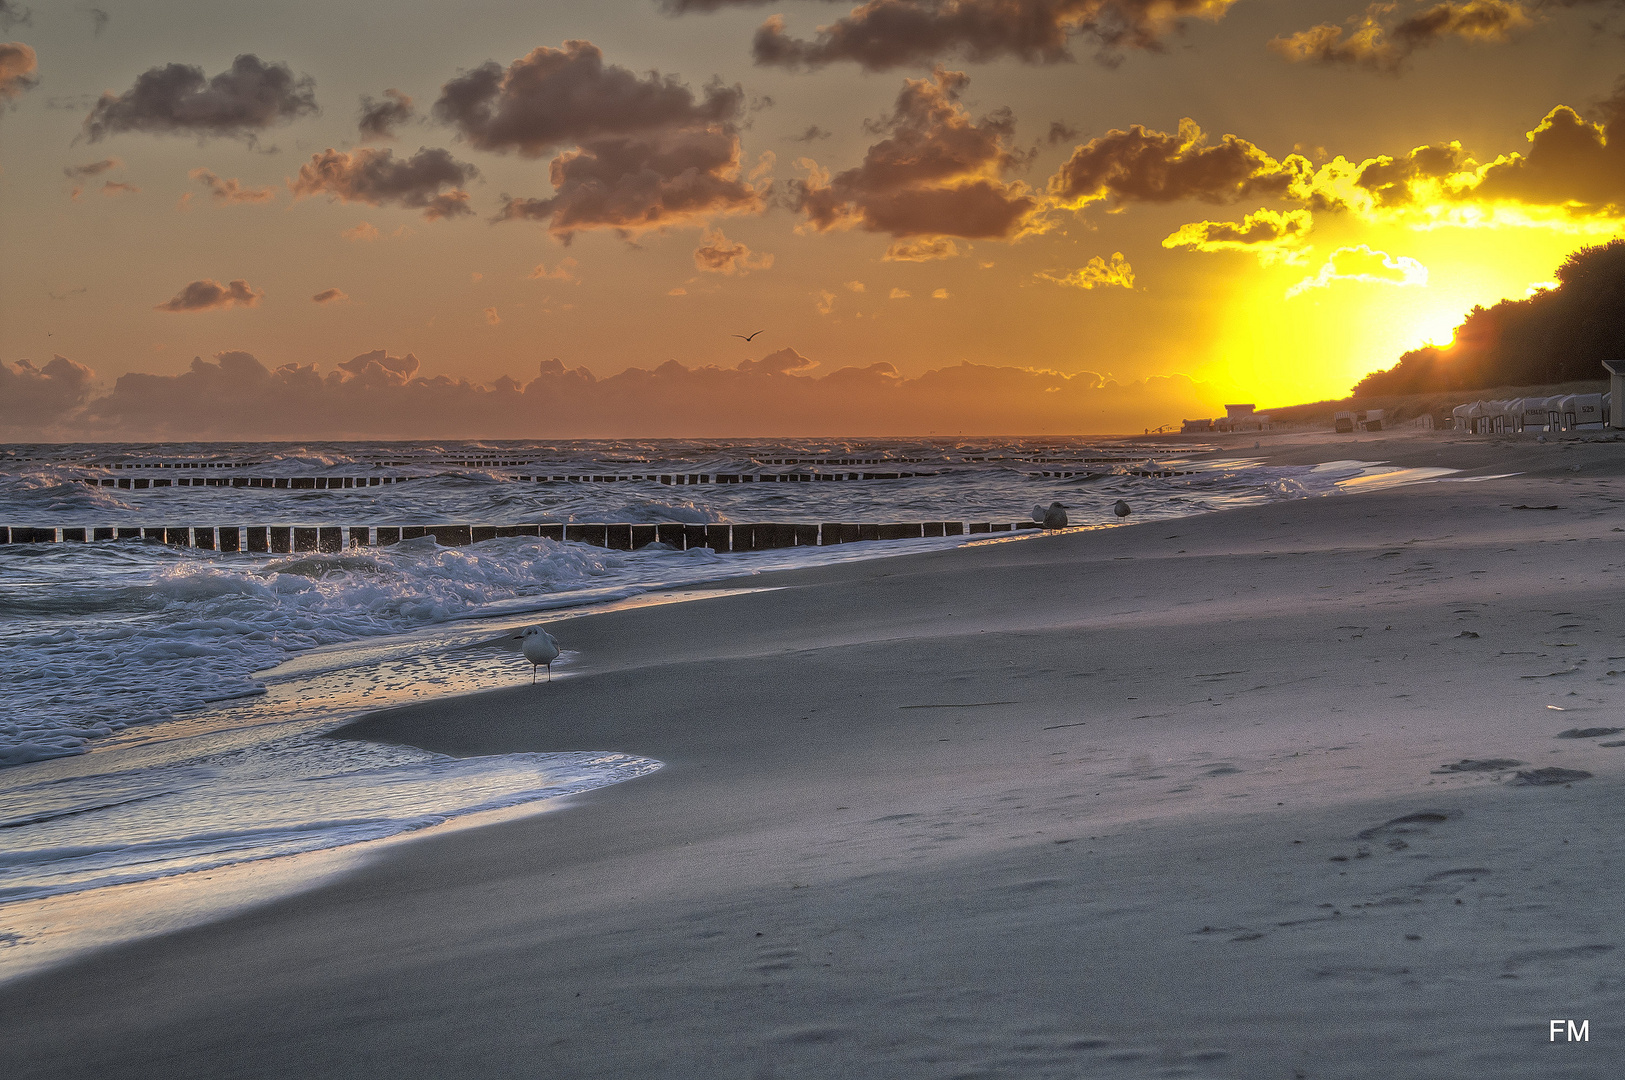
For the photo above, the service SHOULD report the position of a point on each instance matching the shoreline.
(1008, 809)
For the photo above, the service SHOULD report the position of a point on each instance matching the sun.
(1438, 328)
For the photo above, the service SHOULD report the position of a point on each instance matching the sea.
(164, 710)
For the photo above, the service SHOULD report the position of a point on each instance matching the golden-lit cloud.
(1096, 273)
(362, 231)
(231, 190)
(899, 294)
(1361, 263)
(936, 175)
(565, 270)
(19, 69)
(331, 296)
(939, 294)
(114, 188)
(379, 119)
(209, 295)
(378, 178)
(884, 34)
(1372, 42)
(1570, 163)
(491, 317)
(1269, 234)
(719, 255)
(178, 99)
(927, 250)
(234, 395)
(1140, 165)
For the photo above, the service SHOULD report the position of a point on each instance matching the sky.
(512, 220)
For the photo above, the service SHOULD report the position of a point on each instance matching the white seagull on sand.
(540, 648)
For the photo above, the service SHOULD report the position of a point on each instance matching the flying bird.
(742, 337)
(539, 648)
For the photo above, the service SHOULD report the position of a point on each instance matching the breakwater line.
(619, 536)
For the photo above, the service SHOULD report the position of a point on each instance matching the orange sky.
(1103, 216)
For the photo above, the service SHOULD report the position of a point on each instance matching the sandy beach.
(1164, 799)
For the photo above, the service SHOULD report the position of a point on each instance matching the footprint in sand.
(1538, 777)
(1472, 765)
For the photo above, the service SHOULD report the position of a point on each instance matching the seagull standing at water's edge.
(1052, 518)
(539, 648)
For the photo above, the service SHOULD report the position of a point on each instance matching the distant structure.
(1235, 418)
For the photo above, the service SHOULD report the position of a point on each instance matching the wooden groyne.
(285, 539)
(336, 483)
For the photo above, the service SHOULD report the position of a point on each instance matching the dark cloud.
(12, 14)
(177, 99)
(19, 69)
(1390, 180)
(1060, 132)
(231, 189)
(1138, 165)
(935, 175)
(209, 295)
(1570, 163)
(236, 396)
(551, 98)
(884, 34)
(378, 178)
(813, 134)
(330, 296)
(638, 184)
(91, 168)
(98, 20)
(380, 118)
(32, 396)
(1370, 42)
(719, 255)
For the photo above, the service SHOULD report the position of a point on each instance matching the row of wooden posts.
(333, 483)
(283, 539)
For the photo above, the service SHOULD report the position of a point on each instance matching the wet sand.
(1167, 799)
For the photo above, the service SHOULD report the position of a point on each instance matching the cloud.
(936, 174)
(19, 69)
(826, 301)
(939, 294)
(1269, 234)
(813, 134)
(210, 295)
(638, 184)
(899, 294)
(491, 317)
(1570, 163)
(378, 178)
(1096, 273)
(884, 34)
(231, 190)
(928, 250)
(177, 99)
(330, 296)
(380, 118)
(1392, 181)
(1371, 43)
(1060, 132)
(376, 396)
(113, 187)
(30, 396)
(677, 290)
(362, 231)
(564, 271)
(856, 286)
(1139, 165)
(12, 14)
(91, 168)
(552, 98)
(719, 255)
(1361, 263)
(98, 20)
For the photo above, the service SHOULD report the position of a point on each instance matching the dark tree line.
(1557, 335)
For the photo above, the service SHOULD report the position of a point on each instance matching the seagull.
(1052, 518)
(1122, 509)
(742, 337)
(540, 648)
